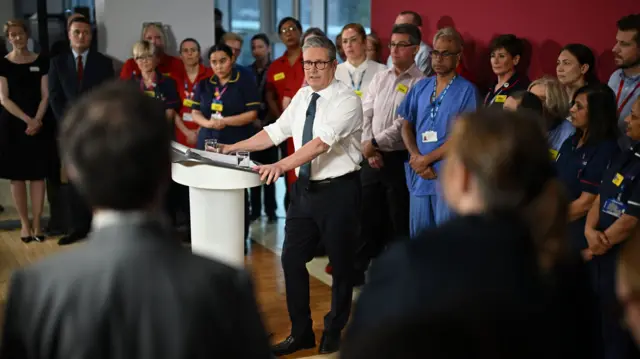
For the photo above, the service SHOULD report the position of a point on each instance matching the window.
(245, 21)
(284, 8)
(342, 12)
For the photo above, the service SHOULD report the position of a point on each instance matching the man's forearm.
(305, 154)
(621, 229)
(438, 153)
(261, 141)
(409, 139)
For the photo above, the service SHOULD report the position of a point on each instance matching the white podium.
(216, 192)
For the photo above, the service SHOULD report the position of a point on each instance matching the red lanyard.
(218, 94)
(624, 102)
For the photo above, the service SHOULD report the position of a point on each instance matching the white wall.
(120, 23)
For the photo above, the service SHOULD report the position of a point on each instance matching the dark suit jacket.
(476, 259)
(132, 292)
(64, 89)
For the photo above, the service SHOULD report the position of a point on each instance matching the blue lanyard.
(436, 103)
(353, 85)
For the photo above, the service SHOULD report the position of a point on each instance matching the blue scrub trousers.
(427, 212)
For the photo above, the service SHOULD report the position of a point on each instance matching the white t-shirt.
(358, 78)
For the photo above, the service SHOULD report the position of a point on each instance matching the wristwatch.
(374, 143)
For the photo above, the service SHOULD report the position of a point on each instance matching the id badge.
(429, 136)
(216, 107)
(402, 88)
(34, 69)
(613, 207)
(150, 94)
(358, 92)
(187, 117)
(617, 180)
(216, 116)
(188, 103)
(553, 154)
(501, 98)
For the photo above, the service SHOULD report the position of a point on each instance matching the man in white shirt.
(385, 197)
(357, 72)
(423, 57)
(325, 121)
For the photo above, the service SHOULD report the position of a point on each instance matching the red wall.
(546, 25)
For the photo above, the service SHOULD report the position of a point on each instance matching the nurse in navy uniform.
(610, 223)
(506, 51)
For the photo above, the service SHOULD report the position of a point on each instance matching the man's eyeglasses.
(400, 45)
(320, 65)
(445, 54)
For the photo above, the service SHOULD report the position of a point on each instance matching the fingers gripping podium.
(216, 193)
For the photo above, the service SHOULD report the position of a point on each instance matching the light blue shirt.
(422, 59)
(630, 83)
(559, 134)
(84, 58)
(416, 107)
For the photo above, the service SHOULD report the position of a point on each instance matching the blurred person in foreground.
(506, 247)
(628, 286)
(132, 291)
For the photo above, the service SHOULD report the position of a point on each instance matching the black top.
(487, 259)
(496, 98)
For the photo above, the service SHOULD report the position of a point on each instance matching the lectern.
(216, 193)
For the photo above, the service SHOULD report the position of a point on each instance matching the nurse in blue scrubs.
(610, 222)
(227, 103)
(584, 157)
(225, 106)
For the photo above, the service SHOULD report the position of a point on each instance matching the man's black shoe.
(330, 343)
(292, 344)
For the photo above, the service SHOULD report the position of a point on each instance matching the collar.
(109, 217)
(363, 66)
(513, 80)
(235, 76)
(623, 76)
(412, 72)
(84, 54)
(327, 92)
(285, 57)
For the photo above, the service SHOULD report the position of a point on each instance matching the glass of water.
(211, 145)
(243, 159)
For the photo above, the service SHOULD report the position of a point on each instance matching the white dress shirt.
(338, 123)
(360, 76)
(84, 58)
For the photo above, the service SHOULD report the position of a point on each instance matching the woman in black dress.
(23, 142)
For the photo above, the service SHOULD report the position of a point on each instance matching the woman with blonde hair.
(556, 111)
(169, 66)
(24, 142)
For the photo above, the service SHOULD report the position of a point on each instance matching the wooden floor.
(264, 264)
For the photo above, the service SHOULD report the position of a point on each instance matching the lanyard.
(624, 102)
(154, 87)
(499, 92)
(218, 95)
(436, 103)
(353, 85)
(189, 94)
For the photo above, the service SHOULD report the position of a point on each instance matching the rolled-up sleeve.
(281, 129)
(344, 120)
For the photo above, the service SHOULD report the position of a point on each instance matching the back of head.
(556, 100)
(507, 154)
(115, 143)
(529, 102)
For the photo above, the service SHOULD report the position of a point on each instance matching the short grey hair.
(451, 34)
(321, 42)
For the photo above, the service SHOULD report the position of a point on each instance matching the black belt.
(328, 181)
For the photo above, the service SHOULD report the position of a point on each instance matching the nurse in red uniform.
(168, 66)
(285, 76)
(195, 71)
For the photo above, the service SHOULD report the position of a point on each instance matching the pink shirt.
(385, 93)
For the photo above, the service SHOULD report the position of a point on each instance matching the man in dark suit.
(70, 75)
(133, 291)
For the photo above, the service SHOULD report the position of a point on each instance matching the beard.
(630, 64)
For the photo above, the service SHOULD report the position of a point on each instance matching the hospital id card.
(429, 136)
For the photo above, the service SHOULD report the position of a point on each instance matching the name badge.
(216, 107)
(188, 103)
(614, 208)
(279, 76)
(554, 154)
(402, 88)
(501, 98)
(168, 74)
(429, 136)
(617, 179)
(34, 69)
(150, 93)
(358, 92)
(216, 116)
(187, 117)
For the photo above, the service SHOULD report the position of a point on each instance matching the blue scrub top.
(626, 191)
(559, 134)
(241, 95)
(580, 169)
(164, 90)
(416, 107)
